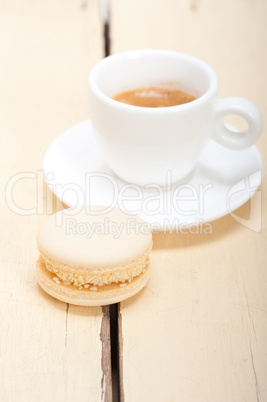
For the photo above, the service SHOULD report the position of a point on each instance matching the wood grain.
(48, 350)
(106, 381)
(121, 358)
(198, 332)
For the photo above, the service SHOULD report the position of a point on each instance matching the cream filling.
(98, 277)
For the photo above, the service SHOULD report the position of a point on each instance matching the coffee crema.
(154, 97)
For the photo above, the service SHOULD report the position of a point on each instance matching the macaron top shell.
(94, 239)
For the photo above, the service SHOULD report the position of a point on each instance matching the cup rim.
(140, 109)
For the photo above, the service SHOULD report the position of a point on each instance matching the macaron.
(93, 257)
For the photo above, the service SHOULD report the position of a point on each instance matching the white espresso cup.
(142, 144)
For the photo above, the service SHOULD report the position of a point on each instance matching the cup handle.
(234, 139)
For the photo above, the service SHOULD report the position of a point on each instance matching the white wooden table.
(198, 332)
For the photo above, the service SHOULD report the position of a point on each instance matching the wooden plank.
(198, 331)
(106, 381)
(48, 350)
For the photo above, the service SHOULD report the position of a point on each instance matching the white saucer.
(76, 173)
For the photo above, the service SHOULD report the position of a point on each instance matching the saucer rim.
(207, 219)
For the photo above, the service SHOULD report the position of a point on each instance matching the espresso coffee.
(154, 97)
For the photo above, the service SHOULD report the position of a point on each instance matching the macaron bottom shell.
(91, 296)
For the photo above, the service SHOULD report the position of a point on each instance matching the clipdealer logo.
(250, 186)
(152, 199)
(184, 200)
